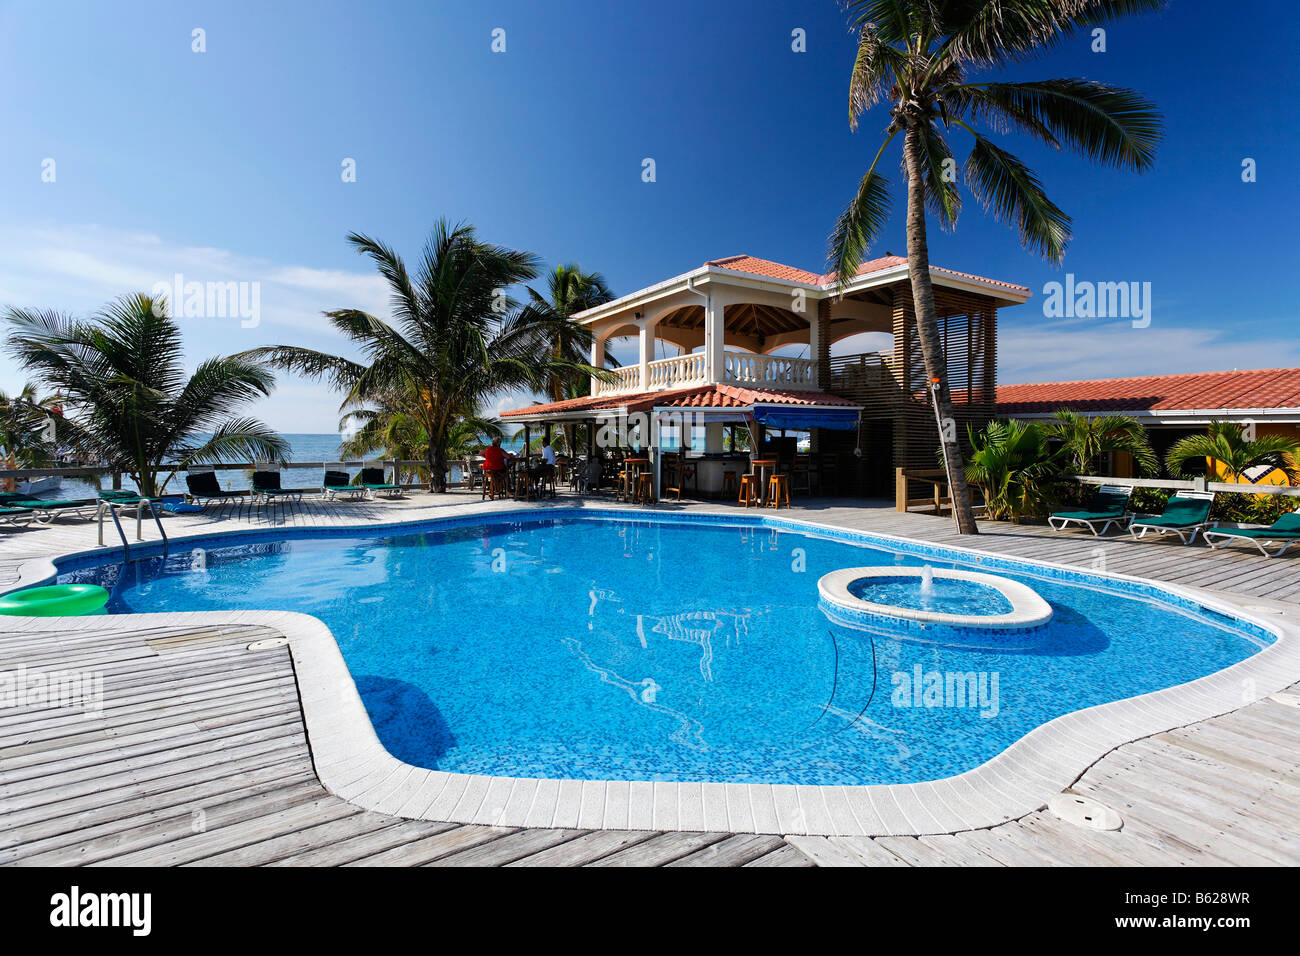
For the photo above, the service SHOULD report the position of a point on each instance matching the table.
(762, 465)
(633, 467)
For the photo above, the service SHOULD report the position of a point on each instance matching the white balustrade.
(741, 368)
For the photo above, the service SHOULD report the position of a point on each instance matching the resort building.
(752, 345)
(1172, 406)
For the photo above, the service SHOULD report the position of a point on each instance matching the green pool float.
(59, 600)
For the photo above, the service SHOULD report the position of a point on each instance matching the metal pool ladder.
(138, 504)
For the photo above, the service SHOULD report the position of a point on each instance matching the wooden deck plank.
(196, 722)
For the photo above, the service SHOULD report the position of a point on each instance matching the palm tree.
(569, 290)
(1226, 443)
(1016, 467)
(1088, 438)
(918, 55)
(25, 439)
(456, 339)
(391, 429)
(125, 396)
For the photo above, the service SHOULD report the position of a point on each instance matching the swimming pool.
(674, 649)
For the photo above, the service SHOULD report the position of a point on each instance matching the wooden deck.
(199, 755)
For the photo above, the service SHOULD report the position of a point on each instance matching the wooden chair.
(494, 484)
(778, 485)
(645, 489)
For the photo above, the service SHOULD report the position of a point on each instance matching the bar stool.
(728, 483)
(645, 488)
(778, 485)
(748, 491)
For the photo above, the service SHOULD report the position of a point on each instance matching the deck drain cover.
(1291, 700)
(1084, 812)
(269, 643)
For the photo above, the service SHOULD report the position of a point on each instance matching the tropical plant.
(1086, 438)
(125, 396)
(390, 429)
(455, 341)
(1015, 466)
(569, 290)
(919, 56)
(28, 428)
(1227, 444)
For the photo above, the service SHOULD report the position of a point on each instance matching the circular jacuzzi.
(935, 604)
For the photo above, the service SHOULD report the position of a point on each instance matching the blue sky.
(225, 165)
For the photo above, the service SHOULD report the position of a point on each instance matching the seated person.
(547, 465)
(495, 457)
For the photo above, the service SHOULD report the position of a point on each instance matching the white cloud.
(79, 268)
(1070, 351)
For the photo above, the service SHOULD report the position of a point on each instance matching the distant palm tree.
(569, 290)
(456, 339)
(1086, 439)
(918, 55)
(392, 430)
(1226, 443)
(125, 396)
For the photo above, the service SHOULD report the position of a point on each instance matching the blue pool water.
(945, 596)
(606, 648)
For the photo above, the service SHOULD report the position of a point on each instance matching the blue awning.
(806, 416)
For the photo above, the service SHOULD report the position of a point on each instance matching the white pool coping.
(352, 763)
(1028, 610)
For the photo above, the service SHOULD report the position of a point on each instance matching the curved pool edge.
(352, 763)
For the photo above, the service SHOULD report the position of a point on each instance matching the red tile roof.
(775, 270)
(701, 396)
(1257, 388)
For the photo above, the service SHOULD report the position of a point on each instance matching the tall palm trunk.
(927, 325)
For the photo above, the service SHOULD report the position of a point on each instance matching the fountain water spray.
(927, 580)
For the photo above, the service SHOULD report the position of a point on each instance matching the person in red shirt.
(494, 456)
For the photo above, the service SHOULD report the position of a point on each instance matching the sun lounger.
(372, 479)
(46, 510)
(17, 517)
(203, 486)
(338, 483)
(1284, 531)
(266, 485)
(1109, 506)
(1184, 515)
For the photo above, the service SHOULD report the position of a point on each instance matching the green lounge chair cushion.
(15, 511)
(1089, 515)
(46, 505)
(1262, 533)
(1179, 513)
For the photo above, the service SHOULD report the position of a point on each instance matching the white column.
(597, 358)
(814, 342)
(647, 338)
(714, 337)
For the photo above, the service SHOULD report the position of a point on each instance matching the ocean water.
(303, 447)
(607, 648)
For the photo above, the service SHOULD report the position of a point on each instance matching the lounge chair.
(338, 483)
(1184, 515)
(266, 485)
(46, 510)
(15, 516)
(1284, 531)
(372, 479)
(203, 486)
(1109, 505)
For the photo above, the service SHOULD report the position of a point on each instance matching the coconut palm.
(455, 341)
(391, 429)
(1087, 438)
(1228, 444)
(569, 290)
(125, 396)
(921, 57)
